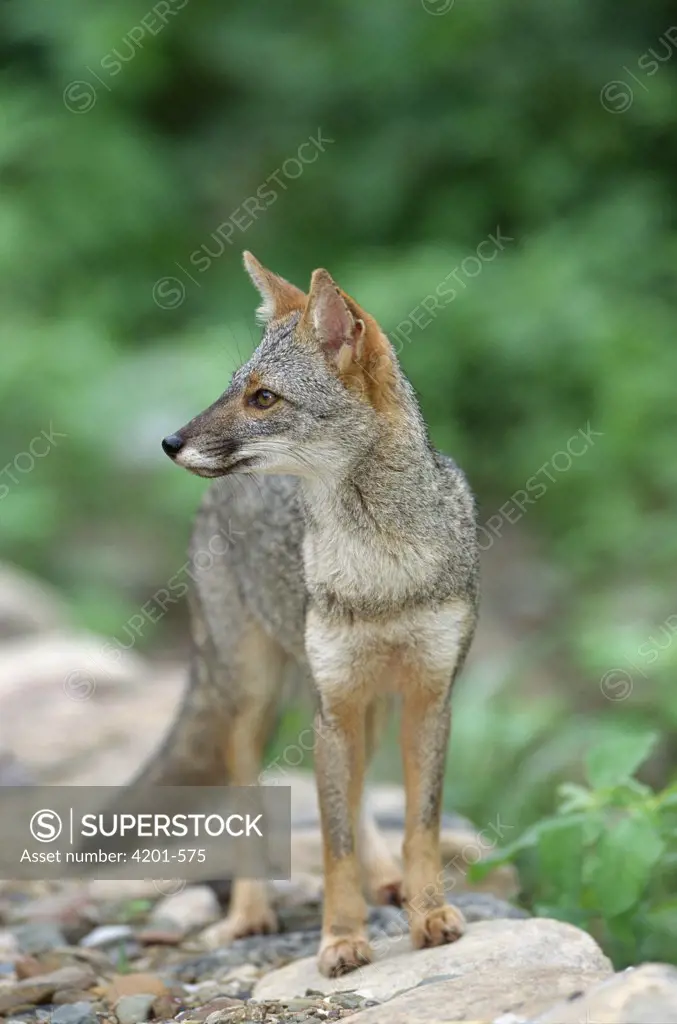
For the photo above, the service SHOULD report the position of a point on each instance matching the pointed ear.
(279, 296)
(327, 313)
(353, 342)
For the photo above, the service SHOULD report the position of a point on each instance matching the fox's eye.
(263, 399)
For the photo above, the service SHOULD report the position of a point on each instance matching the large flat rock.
(495, 960)
(485, 998)
(29, 605)
(73, 713)
(640, 995)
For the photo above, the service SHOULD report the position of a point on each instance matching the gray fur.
(393, 490)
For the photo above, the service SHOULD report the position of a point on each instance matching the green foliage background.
(444, 128)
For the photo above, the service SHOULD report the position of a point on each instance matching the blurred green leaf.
(560, 853)
(616, 758)
(625, 857)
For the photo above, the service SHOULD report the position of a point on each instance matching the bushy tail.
(190, 754)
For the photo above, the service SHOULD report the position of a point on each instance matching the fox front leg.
(424, 739)
(339, 768)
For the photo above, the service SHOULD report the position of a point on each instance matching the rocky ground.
(122, 952)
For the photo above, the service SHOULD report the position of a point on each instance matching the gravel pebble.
(9, 946)
(193, 908)
(107, 935)
(74, 1013)
(134, 1009)
(38, 937)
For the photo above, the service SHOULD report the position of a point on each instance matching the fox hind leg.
(250, 683)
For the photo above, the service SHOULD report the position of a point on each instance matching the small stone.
(159, 937)
(24, 994)
(100, 960)
(6, 970)
(37, 990)
(167, 1007)
(38, 937)
(134, 1009)
(350, 1001)
(219, 1017)
(107, 935)
(134, 985)
(74, 1013)
(9, 947)
(28, 967)
(72, 976)
(186, 911)
(72, 995)
(204, 992)
(243, 972)
(211, 1009)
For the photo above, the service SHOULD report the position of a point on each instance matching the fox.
(355, 567)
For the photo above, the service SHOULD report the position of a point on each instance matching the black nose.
(172, 445)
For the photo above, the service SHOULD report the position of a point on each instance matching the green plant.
(607, 859)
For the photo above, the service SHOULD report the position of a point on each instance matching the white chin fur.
(191, 458)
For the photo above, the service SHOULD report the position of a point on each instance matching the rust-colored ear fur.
(327, 316)
(353, 341)
(279, 296)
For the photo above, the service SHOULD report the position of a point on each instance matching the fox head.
(321, 386)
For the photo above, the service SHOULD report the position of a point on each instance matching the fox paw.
(437, 927)
(339, 956)
(238, 926)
